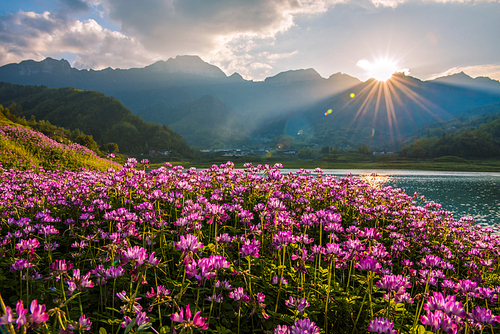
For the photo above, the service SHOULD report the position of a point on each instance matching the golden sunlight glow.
(378, 95)
(380, 69)
(375, 180)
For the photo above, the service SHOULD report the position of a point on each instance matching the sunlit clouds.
(37, 36)
(258, 38)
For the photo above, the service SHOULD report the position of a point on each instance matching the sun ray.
(389, 94)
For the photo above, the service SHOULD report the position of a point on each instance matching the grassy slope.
(22, 148)
(93, 113)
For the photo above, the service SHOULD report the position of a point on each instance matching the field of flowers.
(21, 147)
(236, 251)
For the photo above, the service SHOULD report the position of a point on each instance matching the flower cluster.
(224, 249)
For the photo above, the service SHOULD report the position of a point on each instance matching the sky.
(260, 38)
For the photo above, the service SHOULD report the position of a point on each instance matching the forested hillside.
(93, 113)
(477, 137)
(22, 147)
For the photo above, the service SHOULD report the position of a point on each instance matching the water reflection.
(474, 194)
(375, 180)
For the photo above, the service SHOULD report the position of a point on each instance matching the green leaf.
(222, 330)
(165, 330)
(130, 326)
(102, 330)
(143, 327)
(112, 309)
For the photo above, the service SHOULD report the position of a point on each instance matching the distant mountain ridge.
(187, 64)
(187, 93)
(463, 80)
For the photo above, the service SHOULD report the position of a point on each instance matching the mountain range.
(210, 109)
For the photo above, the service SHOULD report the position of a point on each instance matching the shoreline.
(479, 165)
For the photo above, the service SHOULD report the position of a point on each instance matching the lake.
(474, 194)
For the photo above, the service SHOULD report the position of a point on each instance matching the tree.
(88, 141)
(365, 150)
(110, 148)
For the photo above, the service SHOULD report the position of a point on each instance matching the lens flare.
(381, 69)
(383, 97)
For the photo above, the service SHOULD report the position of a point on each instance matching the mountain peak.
(336, 77)
(189, 65)
(48, 65)
(236, 77)
(294, 76)
(464, 80)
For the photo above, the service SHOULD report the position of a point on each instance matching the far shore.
(439, 164)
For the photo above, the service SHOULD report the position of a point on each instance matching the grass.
(363, 162)
(23, 148)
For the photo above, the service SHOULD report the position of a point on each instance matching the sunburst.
(381, 69)
(388, 89)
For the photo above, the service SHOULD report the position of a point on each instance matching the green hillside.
(477, 137)
(93, 113)
(23, 148)
(204, 123)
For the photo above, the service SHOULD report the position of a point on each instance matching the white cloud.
(387, 3)
(395, 3)
(29, 35)
(257, 38)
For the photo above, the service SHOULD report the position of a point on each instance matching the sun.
(380, 69)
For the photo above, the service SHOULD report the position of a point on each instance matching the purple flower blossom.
(304, 326)
(282, 329)
(465, 286)
(83, 324)
(238, 294)
(160, 293)
(430, 261)
(59, 267)
(78, 282)
(250, 248)
(432, 319)
(186, 323)
(30, 244)
(19, 264)
(394, 283)
(381, 325)
(368, 263)
(189, 243)
(295, 303)
(484, 316)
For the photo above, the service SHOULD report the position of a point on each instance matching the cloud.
(72, 7)
(228, 33)
(258, 38)
(29, 35)
(492, 71)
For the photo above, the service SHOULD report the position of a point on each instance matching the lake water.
(474, 194)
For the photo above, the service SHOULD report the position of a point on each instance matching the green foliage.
(110, 148)
(470, 144)
(365, 150)
(23, 148)
(94, 114)
(306, 154)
